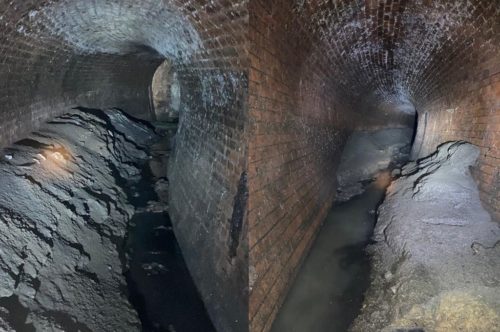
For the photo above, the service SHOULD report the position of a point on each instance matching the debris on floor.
(63, 219)
(366, 154)
(85, 237)
(436, 257)
(161, 287)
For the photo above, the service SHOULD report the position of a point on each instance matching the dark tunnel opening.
(249, 165)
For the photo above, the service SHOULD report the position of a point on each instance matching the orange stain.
(55, 160)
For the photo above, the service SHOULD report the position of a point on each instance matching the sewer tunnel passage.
(271, 90)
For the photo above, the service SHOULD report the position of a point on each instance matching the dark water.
(328, 291)
(159, 284)
(17, 314)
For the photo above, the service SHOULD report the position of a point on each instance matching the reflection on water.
(328, 291)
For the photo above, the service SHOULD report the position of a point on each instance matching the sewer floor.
(159, 284)
(328, 291)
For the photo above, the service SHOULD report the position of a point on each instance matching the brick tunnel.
(238, 116)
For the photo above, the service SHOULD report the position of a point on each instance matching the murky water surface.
(159, 283)
(328, 291)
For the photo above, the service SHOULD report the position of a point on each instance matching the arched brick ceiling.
(56, 54)
(118, 27)
(400, 49)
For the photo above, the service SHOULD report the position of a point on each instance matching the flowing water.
(328, 291)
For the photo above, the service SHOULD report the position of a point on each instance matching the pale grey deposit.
(368, 152)
(436, 257)
(63, 218)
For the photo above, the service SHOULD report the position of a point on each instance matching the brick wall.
(470, 111)
(458, 97)
(44, 74)
(57, 54)
(207, 174)
(298, 127)
(38, 84)
(206, 167)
